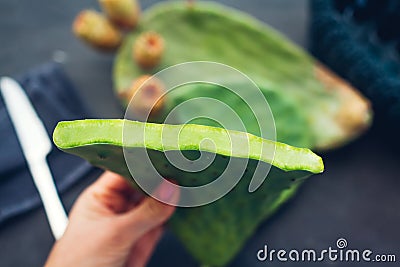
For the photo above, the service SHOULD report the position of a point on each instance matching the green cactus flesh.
(305, 111)
(215, 232)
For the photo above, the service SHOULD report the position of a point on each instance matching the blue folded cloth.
(55, 99)
(358, 40)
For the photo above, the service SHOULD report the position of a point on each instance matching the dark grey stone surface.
(357, 198)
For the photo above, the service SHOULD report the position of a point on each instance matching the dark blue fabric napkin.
(55, 99)
(358, 40)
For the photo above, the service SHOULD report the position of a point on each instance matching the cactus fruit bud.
(93, 28)
(124, 13)
(145, 97)
(148, 49)
(190, 3)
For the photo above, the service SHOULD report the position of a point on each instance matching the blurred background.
(357, 197)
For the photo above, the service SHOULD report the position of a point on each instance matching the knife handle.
(53, 207)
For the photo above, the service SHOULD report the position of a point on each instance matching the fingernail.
(166, 191)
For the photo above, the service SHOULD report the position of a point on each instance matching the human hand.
(113, 225)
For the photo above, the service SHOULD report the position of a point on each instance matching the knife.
(36, 145)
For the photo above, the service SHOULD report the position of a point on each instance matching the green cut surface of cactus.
(215, 232)
(306, 111)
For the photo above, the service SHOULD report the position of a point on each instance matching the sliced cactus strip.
(213, 233)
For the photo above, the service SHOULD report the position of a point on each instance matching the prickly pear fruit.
(148, 49)
(93, 28)
(124, 13)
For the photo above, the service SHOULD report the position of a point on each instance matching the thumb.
(152, 213)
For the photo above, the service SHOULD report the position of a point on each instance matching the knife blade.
(36, 145)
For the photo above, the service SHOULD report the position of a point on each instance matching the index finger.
(113, 182)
